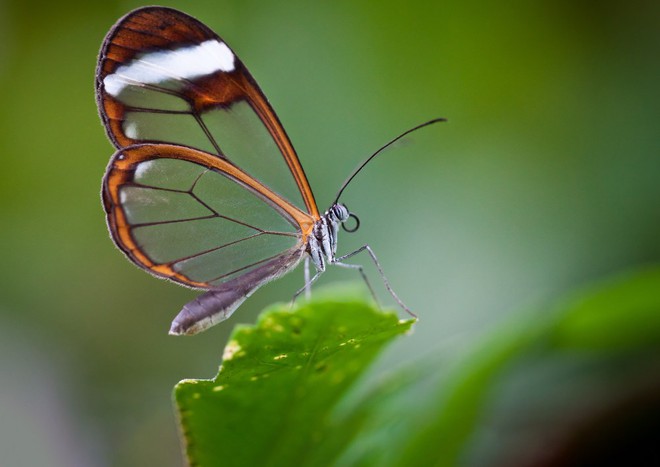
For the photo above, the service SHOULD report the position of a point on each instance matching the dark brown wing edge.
(141, 30)
(219, 303)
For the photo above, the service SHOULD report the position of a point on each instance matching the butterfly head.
(339, 214)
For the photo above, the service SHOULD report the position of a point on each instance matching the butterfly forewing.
(165, 77)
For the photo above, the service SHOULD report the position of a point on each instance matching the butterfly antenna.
(361, 166)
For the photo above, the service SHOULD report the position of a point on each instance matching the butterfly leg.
(360, 269)
(339, 260)
(306, 287)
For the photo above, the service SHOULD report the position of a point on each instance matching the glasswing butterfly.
(205, 188)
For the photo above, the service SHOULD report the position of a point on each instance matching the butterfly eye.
(355, 227)
(341, 212)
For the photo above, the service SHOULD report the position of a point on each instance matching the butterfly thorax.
(322, 243)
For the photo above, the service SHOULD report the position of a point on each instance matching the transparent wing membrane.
(245, 141)
(223, 263)
(234, 132)
(192, 223)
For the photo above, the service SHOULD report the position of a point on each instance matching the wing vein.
(173, 221)
(208, 134)
(211, 250)
(243, 268)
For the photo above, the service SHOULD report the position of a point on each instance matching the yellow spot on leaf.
(230, 350)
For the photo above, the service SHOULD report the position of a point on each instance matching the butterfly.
(205, 188)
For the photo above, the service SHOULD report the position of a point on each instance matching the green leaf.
(621, 314)
(280, 381)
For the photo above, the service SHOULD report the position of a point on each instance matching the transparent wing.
(165, 77)
(191, 217)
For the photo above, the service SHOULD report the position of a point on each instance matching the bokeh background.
(545, 178)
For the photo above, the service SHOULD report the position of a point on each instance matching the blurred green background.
(545, 178)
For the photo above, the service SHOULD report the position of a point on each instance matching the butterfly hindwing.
(187, 216)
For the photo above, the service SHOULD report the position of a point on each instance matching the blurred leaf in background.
(579, 387)
(545, 178)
